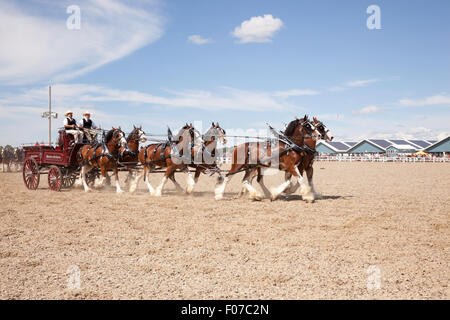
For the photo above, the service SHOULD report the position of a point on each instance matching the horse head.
(298, 129)
(116, 137)
(323, 130)
(137, 135)
(215, 132)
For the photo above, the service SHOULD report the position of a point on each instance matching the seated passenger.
(89, 127)
(70, 125)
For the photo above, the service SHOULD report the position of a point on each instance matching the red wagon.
(60, 163)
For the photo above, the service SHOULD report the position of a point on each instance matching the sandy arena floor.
(373, 221)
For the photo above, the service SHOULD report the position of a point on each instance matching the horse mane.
(109, 135)
(184, 128)
(291, 127)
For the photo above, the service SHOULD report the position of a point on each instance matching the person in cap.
(70, 125)
(88, 126)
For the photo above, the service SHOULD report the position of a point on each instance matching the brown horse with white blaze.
(205, 159)
(306, 165)
(170, 155)
(103, 156)
(252, 158)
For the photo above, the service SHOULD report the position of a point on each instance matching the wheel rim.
(55, 179)
(69, 180)
(31, 174)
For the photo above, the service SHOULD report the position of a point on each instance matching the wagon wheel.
(31, 174)
(69, 180)
(55, 178)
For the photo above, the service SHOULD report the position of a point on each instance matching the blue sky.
(247, 63)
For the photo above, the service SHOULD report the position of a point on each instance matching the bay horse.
(129, 154)
(205, 159)
(306, 165)
(172, 155)
(103, 156)
(252, 158)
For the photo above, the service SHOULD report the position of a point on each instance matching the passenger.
(70, 125)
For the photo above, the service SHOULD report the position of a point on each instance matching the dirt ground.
(379, 230)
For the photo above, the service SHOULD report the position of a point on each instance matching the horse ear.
(119, 128)
(140, 127)
(217, 124)
(134, 126)
(212, 124)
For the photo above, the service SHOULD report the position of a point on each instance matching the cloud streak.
(41, 48)
(197, 39)
(440, 99)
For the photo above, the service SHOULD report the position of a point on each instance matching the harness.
(289, 146)
(105, 152)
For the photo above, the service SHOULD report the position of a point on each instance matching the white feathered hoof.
(307, 194)
(189, 189)
(87, 189)
(78, 183)
(274, 194)
(218, 197)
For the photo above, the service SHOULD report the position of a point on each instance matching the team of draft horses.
(191, 152)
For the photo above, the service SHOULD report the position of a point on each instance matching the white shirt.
(66, 122)
(93, 124)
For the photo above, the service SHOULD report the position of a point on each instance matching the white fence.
(227, 160)
(380, 159)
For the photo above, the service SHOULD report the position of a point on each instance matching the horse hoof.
(88, 190)
(218, 197)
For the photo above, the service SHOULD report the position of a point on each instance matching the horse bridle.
(309, 128)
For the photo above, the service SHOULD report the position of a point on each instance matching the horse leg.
(147, 181)
(190, 181)
(100, 182)
(116, 174)
(85, 169)
(244, 189)
(275, 192)
(305, 188)
(222, 181)
(254, 194)
(260, 177)
(293, 185)
(159, 188)
(309, 175)
(129, 177)
(177, 185)
(134, 183)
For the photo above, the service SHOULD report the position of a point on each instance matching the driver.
(89, 127)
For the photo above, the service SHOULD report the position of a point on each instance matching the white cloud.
(41, 48)
(361, 83)
(197, 39)
(439, 99)
(295, 92)
(258, 29)
(224, 98)
(367, 110)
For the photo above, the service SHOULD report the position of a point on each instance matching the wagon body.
(59, 162)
